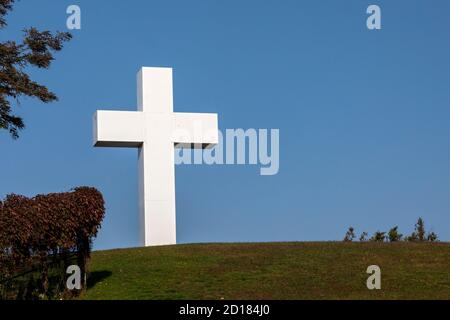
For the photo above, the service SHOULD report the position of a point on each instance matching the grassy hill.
(271, 271)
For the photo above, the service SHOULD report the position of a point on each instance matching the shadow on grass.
(96, 277)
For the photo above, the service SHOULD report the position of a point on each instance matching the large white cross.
(155, 129)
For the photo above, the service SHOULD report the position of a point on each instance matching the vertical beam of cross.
(156, 158)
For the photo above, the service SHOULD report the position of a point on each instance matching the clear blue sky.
(364, 116)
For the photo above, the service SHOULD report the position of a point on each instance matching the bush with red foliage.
(47, 228)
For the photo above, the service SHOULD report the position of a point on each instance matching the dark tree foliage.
(394, 235)
(350, 235)
(378, 236)
(420, 230)
(363, 237)
(37, 232)
(36, 49)
(432, 237)
(420, 234)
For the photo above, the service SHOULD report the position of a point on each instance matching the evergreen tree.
(394, 235)
(420, 230)
(350, 235)
(36, 49)
(363, 237)
(378, 236)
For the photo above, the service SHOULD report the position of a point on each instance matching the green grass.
(328, 270)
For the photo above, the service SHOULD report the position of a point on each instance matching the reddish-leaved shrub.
(47, 228)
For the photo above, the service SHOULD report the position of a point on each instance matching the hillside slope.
(271, 271)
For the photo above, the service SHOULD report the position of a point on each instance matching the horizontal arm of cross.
(129, 129)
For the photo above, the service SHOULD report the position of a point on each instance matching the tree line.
(393, 235)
